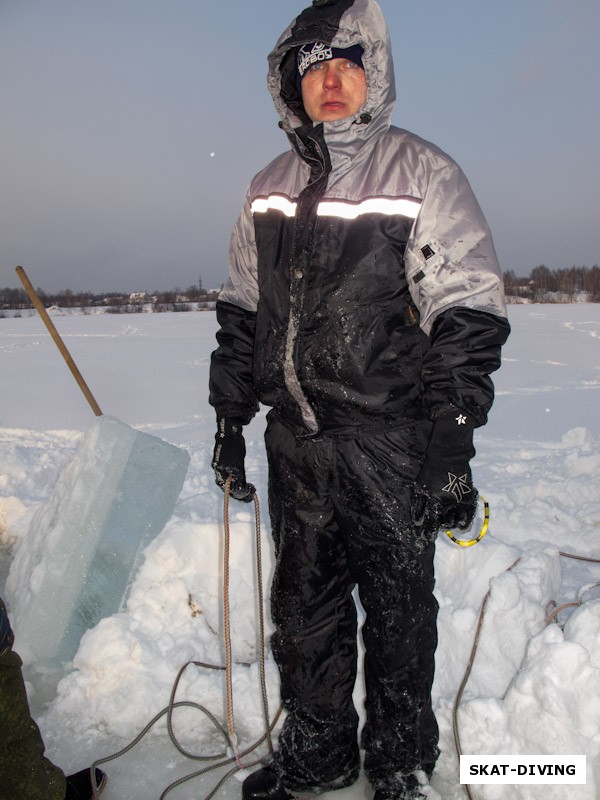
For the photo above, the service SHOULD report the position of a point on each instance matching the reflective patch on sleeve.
(275, 202)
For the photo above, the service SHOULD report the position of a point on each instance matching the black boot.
(408, 788)
(264, 784)
(79, 785)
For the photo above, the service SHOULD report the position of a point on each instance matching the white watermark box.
(522, 769)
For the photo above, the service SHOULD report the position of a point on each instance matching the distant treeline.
(544, 285)
(172, 300)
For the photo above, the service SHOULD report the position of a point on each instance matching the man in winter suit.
(365, 307)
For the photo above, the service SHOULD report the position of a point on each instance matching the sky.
(130, 129)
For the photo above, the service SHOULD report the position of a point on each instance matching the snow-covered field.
(534, 688)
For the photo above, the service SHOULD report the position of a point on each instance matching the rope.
(227, 627)
(475, 645)
(558, 609)
(574, 604)
(222, 759)
(579, 558)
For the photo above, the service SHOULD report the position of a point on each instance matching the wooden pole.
(33, 296)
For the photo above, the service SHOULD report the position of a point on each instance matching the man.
(25, 773)
(365, 306)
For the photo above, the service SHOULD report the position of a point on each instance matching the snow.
(534, 687)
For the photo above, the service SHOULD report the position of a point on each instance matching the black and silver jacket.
(364, 289)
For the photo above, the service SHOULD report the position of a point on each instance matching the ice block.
(76, 563)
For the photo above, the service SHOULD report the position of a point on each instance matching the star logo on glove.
(458, 486)
(461, 419)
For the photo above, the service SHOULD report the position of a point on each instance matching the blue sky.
(131, 128)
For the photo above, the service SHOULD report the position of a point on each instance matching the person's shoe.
(403, 794)
(412, 789)
(79, 785)
(264, 784)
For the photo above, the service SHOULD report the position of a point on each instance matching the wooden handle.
(33, 296)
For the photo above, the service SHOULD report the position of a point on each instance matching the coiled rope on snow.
(228, 733)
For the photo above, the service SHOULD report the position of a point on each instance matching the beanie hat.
(314, 52)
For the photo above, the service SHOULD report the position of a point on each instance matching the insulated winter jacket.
(364, 290)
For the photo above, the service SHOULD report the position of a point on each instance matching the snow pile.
(126, 666)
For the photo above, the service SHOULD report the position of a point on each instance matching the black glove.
(443, 494)
(228, 459)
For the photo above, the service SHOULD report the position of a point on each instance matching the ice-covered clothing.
(340, 516)
(364, 300)
(363, 282)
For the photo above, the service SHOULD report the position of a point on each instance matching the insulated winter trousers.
(25, 773)
(340, 515)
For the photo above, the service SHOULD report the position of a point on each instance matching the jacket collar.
(342, 24)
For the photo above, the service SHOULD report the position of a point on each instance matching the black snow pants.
(340, 515)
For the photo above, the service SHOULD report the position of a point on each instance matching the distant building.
(138, 297)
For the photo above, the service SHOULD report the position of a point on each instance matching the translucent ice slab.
(84, 545)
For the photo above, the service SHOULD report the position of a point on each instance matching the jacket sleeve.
(231, 388)
(456, 284)
(465, 349)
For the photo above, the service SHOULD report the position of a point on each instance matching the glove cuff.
(451, 437)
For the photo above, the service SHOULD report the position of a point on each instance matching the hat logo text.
(319, 52)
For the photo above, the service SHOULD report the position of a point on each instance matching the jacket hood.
(340, 23)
